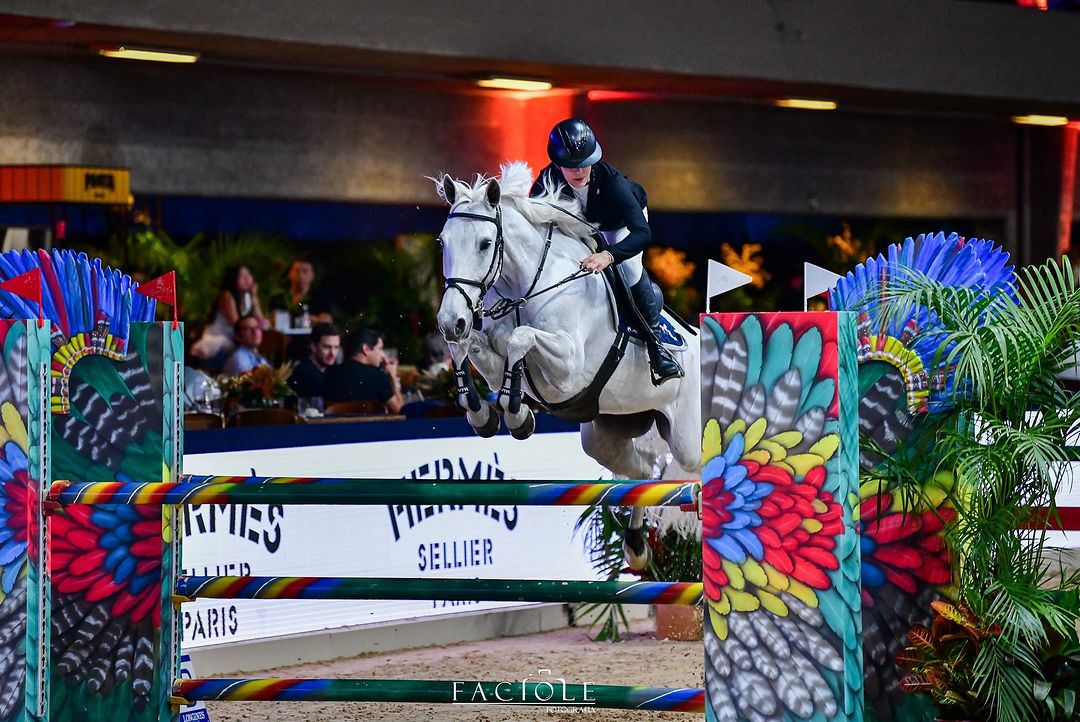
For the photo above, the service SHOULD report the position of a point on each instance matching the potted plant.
(1006, 438)
(262, 387)
(940, 661)
(1059, 689)
(674, 538)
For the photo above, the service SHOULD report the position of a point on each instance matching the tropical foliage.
(941, 660)
(260, 387)
(201, 262)
(1006, 438)
(395, 285)
(676, 557)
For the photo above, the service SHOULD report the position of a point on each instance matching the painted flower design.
(903, 544)
(769, 527)
(110, 553)
(15, 532)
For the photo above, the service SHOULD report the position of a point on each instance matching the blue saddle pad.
(669, 335)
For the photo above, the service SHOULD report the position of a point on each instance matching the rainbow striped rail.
(193, 489)
(493, 590)
(553, 692)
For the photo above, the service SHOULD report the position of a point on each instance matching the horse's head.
(472, 247)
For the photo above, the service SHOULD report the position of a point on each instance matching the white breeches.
(631, 269)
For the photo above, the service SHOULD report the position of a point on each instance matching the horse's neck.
(524, 253)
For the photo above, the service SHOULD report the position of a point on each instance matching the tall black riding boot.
(650, 301)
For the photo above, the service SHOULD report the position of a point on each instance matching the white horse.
(516, 261)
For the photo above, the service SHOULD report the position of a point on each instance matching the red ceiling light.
(601, 96)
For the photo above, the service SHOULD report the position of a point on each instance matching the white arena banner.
(503, 542)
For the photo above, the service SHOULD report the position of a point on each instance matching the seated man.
(303, 293)
(249, 334)
(309, 376)
(367, 374)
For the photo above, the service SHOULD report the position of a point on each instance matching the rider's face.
(577, 177)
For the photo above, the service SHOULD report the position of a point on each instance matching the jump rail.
(493, 590)
(193, 489)
(554, 692)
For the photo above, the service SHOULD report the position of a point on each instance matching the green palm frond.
(1007, 438)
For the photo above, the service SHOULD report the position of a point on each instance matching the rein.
(505, 305)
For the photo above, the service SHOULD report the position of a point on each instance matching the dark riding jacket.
(614, 201)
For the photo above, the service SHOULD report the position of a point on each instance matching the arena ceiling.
(21, 35)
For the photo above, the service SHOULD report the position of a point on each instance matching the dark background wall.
(240, 133)
(356, 102)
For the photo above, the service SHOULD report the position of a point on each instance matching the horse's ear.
(492, 193)
(449, 190)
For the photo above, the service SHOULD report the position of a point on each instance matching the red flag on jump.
(162, 288)
(27, 285)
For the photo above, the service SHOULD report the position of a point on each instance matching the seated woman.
(238, 298)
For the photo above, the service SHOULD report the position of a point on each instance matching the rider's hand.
(597, 262)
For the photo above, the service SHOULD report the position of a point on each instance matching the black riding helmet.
(572, 144)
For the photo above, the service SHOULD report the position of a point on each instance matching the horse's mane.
(515, 182)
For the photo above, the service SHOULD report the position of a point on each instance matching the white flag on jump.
(817, 280)
(721, 280)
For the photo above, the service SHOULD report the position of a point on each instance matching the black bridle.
(504, 306)
(494, 268)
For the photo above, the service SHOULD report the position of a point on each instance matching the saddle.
(585, 405)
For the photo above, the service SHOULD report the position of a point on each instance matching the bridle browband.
(504, 306)
(494, 268)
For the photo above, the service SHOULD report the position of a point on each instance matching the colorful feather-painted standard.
(909, 342)
(106, 389)
(107, 560)
(781, 562)
(905, 563)
(91, 308)
(15, 535)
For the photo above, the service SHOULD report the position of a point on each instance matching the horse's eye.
(484, 245)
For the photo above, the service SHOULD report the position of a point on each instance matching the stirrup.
(657, 379)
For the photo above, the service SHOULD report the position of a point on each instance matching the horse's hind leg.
(613, 443)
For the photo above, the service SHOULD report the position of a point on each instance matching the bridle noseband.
(494, 268)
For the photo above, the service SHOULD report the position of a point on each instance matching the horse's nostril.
(459, 328)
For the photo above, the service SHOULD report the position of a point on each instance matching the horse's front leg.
(478, 350)
(562, 360)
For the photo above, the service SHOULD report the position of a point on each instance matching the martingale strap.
(585, 405)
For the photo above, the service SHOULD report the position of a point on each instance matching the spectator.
(239, 298)
(435, 357)
(249, 334)
(367, 374)
(303, 292)
(309, 377)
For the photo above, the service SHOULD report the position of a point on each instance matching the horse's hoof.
(490, 427)
(636, 551)
(526, 429)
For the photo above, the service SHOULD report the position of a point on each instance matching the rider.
(617, 206)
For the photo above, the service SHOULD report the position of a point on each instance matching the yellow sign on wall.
(64, 184)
